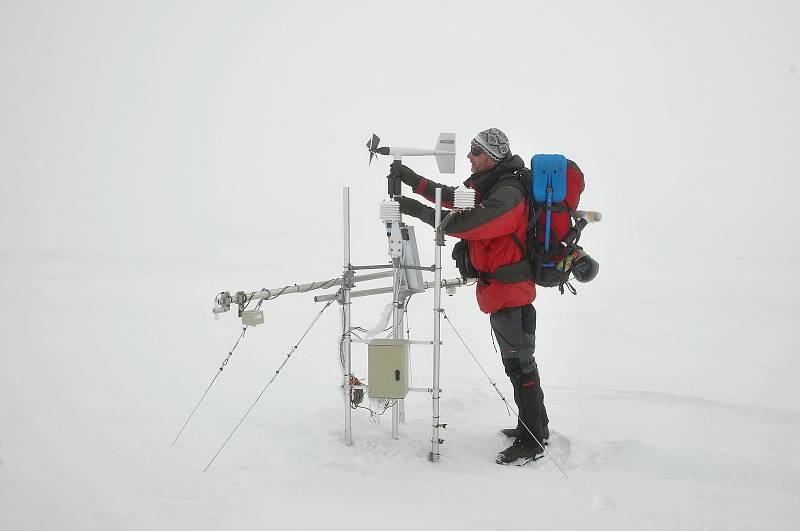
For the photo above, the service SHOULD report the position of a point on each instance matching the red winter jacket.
(502, 209)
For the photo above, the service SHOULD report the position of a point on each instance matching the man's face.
(479, 162)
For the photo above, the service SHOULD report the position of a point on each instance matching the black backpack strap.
(558, 207)
(519, 244)
(510, 274)
(537, 211)
(561, 207)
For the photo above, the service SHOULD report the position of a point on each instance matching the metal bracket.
(440, 229)
(376, 266)
(222, 303)
(431, 268)
(240, 300)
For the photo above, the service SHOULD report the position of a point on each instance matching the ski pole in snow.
(503, 398)
(289, 355)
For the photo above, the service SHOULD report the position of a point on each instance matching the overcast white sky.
(207, 131)
(150, 125)
(155, 153)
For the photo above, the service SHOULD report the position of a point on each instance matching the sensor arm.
(400, 152)
(452, 283)
(444, 151)
(223, 300)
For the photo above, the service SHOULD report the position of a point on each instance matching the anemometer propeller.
(444, 151)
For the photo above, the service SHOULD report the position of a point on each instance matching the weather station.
(389, 357)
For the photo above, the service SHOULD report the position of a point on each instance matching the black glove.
(411, 207)
(408, 176)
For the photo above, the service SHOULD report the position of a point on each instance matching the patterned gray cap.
(494, 143)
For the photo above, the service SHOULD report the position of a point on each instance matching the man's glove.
(411, 207)
(408, 176)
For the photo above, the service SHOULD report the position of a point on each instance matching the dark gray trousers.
(515, 330)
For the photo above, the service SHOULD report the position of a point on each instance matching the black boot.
(533, 425)
(534, 415)
(542, 410)
(519, 454)
(517, 433)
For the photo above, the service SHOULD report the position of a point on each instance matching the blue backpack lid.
(549, 170)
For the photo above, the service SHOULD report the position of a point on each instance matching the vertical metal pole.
(345, 345)
(401, 403)
(437, 311)
(397, 333)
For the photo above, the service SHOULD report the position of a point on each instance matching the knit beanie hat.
(494, 143)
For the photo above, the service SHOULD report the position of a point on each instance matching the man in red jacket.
(494, 230)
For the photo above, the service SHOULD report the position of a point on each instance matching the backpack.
(549, 260)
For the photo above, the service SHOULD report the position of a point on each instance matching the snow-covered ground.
(152, 155)
(666, 414)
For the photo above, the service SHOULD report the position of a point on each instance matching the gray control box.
(388, 368)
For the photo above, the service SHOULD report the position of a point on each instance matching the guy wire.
(219, 371)
(509, 406)
(289, 355)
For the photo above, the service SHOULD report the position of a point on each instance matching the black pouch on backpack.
(544, 267)
(463, 263)
(547, 277)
